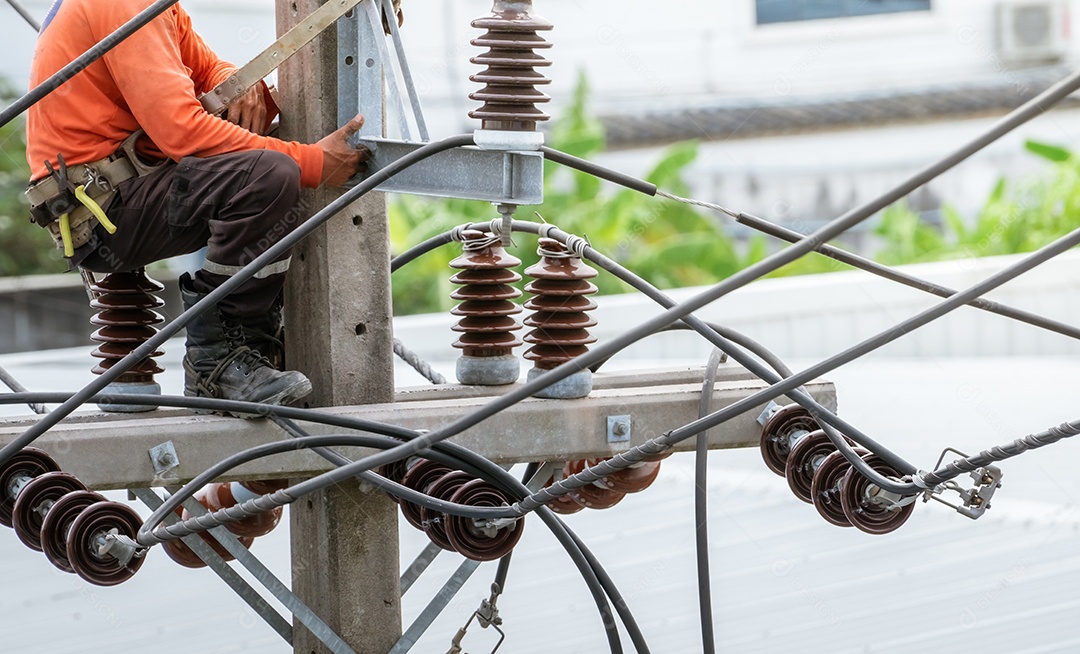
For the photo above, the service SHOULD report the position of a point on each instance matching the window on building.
(783, 11)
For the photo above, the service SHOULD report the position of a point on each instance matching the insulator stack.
(607, 491)
(219, 496)
(79, 531)
(452, 533)
(793, 445)
(560, 318)
(487, 326)
(510, 78)
(125, 302)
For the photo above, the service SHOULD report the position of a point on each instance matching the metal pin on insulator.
(560, 319)
(487, 323)
(510, 77)
(125, 302)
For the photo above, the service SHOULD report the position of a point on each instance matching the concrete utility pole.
(338, 326)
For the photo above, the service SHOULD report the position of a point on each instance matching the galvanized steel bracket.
(506, 177)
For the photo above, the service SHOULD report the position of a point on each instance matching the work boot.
(264, 334)
(220, 364)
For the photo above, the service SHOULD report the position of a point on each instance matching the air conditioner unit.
(1031, 31)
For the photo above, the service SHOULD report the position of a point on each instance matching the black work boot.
(264, 334)
(220, 364)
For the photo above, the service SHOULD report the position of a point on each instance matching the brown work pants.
(237, 204)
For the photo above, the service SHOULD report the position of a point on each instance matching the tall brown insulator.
(510, 79)
(125, 302)
(560, 319)
(487, 325)
(215, 497)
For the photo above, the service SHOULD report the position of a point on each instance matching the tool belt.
(68, 202)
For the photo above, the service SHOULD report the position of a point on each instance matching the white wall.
(642, 52)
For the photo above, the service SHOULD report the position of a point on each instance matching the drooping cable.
(701, 509)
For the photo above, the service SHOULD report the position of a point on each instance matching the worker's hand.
(249, 111)
(340, 159)
(397, 12)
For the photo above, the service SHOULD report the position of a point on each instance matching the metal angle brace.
(261, 607)
(510, 177)
(446, 594)
(264, 576)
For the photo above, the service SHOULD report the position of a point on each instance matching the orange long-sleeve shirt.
(151, 80)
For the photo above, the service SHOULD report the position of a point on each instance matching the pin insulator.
(510, 78)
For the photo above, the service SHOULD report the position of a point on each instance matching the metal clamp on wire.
(487, 616)
(973, 501)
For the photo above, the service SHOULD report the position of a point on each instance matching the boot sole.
(291, 394)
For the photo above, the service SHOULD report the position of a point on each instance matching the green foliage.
(667, 243)
(25, 248)
(1016, 217)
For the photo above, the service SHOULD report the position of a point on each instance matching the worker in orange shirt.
(193, 180)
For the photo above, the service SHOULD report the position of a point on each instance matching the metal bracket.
(467, 173)
(619, 429)
(973, 501)
(770, 408)
(165, 461)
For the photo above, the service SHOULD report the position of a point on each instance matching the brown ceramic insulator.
(634, 479)
(265, 486)
(95, 520)
(777, 431)
(57, 524)
(594, 495)
(563, 504)
(421, 474)
(805, 457)
(827, 487)
(178, 551)
(469, 540)
(560, 307)
(35, 501)
(125, 302)
(25, 465)
(487, 323)
(434, 523)
(510, 78)
(394, 472)
(220, 496)
(864, 514)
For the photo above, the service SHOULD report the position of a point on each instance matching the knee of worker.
(275, 182)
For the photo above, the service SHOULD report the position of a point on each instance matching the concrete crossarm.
(112, 450)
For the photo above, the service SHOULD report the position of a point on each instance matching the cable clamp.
(487, 616)
(974, 501)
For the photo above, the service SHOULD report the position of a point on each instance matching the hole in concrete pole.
(358, 220)
(360, 329)
(370, 63)
(349, 61)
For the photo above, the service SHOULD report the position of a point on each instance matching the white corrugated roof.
(783, 579)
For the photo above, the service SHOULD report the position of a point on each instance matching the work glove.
(397, 12)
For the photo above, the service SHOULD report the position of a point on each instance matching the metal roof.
(783, 579)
